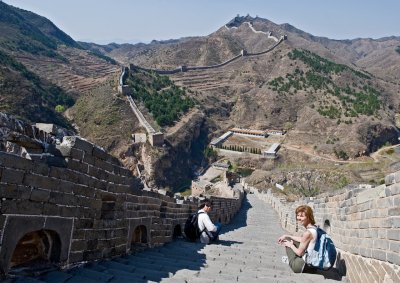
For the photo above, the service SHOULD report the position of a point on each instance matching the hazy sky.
(105, 21)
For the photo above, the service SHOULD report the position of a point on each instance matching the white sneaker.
(285, 260)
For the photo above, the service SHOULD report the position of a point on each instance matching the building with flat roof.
(276, 132)
(272, 151)
(215, 142)
(249, 132)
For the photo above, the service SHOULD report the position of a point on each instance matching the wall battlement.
(364, 224)
(70, 202)
(182, 69)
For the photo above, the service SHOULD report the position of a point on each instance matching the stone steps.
(247, 252)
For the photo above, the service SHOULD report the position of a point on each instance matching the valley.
(337, 107)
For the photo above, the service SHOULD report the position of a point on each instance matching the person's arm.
(304, 242)
(208, 224)
(284, 238)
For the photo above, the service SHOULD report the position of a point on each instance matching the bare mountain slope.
(332, 98)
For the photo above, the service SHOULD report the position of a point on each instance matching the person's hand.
(288, 243)
(282, 239)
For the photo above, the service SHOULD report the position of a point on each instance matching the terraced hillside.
(81, 73)
(204, 80)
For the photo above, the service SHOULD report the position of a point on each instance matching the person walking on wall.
(209, 231)
(297, 246)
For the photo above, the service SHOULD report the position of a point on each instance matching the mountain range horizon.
(335, 98)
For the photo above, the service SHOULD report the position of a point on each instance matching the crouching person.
(208, 231)
(296, 246)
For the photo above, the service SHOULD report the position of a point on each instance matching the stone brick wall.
(192, 68)
(364, 224)
(88, 205)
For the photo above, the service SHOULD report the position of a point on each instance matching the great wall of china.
(71, 202)
(157, 138)
(363, 222)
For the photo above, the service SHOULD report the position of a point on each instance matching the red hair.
(307, 211)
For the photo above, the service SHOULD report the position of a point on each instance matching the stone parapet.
(87, 205)
(364, 224)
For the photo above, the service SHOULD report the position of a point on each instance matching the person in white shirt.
(209, 231)
(296, 246)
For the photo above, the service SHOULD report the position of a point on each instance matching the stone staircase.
(246, 252)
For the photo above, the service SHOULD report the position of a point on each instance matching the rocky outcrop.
(172, 165)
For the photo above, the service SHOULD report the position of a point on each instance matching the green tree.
(59, 108)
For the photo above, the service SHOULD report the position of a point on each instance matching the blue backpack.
(324, 254)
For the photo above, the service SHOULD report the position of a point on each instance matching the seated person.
(297, 246)
(209, 231)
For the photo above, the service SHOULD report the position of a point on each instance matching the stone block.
(68, 211)
(92, 243)
(379, 254)
(94, 171)
(39, 181)
(394, 221)
(9, 207)
(103, 165)
(86, 180)
(77, 165)
(24, 192)
(9, 191)
(78, 234)
(101, 185)
(394, 211)
(78, 245)
(100, 153)
(393, 257)
(390, 179)
(113, 160)
(396, 200)
(393, 234)
(12, 176)
(381, 244)
(75, 257)
(29, 207)
(78, 143)
(51, 209)
(65, 187)
(57, 198)
(15, 161)
(89, 159)
(49, 160)
(40, 195)
(394, 189)
(41, 169)
(80, 190)
(84, 223)
(125, 172)
(396, 176)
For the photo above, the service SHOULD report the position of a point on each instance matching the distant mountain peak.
(238, 20)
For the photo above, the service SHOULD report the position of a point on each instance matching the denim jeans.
(214, 235)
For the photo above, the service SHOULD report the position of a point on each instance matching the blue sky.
(105, 21)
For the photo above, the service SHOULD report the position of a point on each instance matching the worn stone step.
(163, 260)
(91, 274)
(81, 279)
(24, 280)
(56, 277)
(123, 276)
(164, 265)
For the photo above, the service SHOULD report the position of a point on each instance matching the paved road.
(247, 252)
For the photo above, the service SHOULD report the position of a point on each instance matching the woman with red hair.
(297, 246)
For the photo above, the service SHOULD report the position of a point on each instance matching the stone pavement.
(247, 252)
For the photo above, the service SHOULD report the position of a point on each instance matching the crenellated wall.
(70, 202)
(243, 53)
(364, 224)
